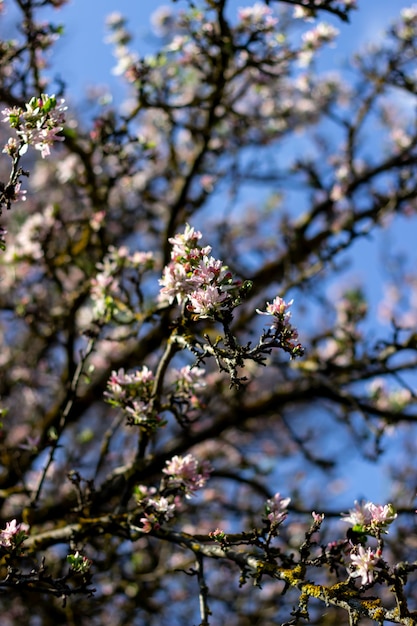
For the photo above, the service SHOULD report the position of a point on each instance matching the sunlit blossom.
(207, 302)
(370, 517)
(364, 563)
(38, 125)
(196, 277)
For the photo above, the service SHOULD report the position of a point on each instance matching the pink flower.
(281, 325)
(370, 517)
(358, 516)
(217, 535)
(186, 474)
(381, 515)
(175, 283)
(194, 275)
(206, 302)
(364, 562)
(44, 140)
(12, 147)
(162, 506)
(277, 509)
(13, 534)
(189, 378)
(207, 271)
(184, 241)
(148, 522)
(277, 307)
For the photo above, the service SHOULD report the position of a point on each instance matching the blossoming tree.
(172, 441)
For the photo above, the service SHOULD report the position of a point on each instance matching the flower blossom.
(189, 378)
(195, 277)
(106, 286)
(121, 385)
(370, 518)
(281, 325)
(313, 39)
(381, 515)
(13, 535)
(206, 302)
(322, 33)
(186, 474)
(162, 505)
(277, 509)
(277, 307)
(133, 394)
(38, 125)
(148, 521)
(162, 21)
(257, 16)
(406, 27)
(156, 508)
(364, 562)
(317, 517)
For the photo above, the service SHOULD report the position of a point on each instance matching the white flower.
(364, 562)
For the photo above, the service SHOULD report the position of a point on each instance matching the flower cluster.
(257, 17)
(281, 325)
(156, 507)
(13, 535)
(133, 393)
(183, 477)
(370, 518)
(406, 29)
(315, 38)
(186, 385)
(122, 386)
(128, 61)
(186, 474)
(29, 241)
(194, 277)
(38, 125)
(107, 294)
(189, 378)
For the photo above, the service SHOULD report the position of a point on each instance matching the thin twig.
(68, 404)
